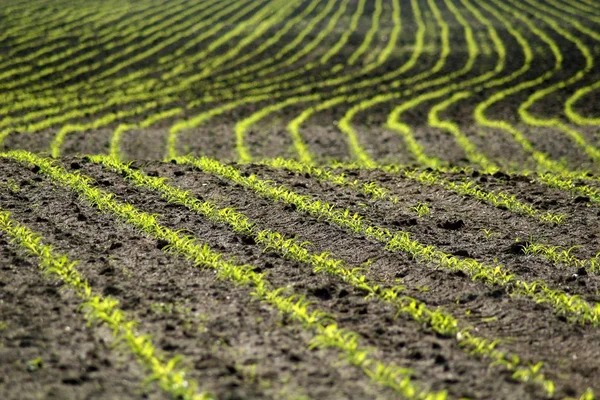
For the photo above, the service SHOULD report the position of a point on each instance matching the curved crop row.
(177, 20)
(118, 100)
(71, 57)
(555, 122)
(284, 57)
(72, 101)
(294, 125)
(369, 36)
(243, 125)
(471, 152)
(540, 158)
(571, 306)
(283, 9)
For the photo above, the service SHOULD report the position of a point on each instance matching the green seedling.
(273, 241)
(488, 233)
(487, 320)
(422, 209)
(35, 364)
(11, 185)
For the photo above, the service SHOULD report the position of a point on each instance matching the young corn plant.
(422, 210)
(562, 256)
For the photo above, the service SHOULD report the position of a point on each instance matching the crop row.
(279, 91)
(327, 333)
(572, 306)
(103, 310)
(437, 320)
(346, 122)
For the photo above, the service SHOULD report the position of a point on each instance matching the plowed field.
(299, 199)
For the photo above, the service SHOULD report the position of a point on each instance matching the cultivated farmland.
(300, 199)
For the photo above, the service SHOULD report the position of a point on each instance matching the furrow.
(487, 309)
(223, 336)
(103, 310)
(573, 307)
(376, 191)
(327, 332)
(437, 320)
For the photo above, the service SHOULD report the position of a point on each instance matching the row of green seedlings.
(75, 103)
(104, 310)
(437, 320)
(569, 183)
(89, 41)
(240, 129)
(542, 159)
(149, 31)
(573, 183)
(68, 128)
(585, 51)
(471, 152)
(564, 256)
(499, 200)
(72, 101)
(344, 90)
(339, 79)
(78, 21)
(58, 141)
(377, 192)
(572, 307)
(56, 146)
(286, 56)
(327, 332)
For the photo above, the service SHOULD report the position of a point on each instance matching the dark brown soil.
(233, 346)
(240, 348)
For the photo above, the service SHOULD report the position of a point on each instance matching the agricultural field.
(300, 199)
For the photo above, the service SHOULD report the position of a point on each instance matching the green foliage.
(35, 364)
(558, 255)
(437, 320)
(422, 209)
